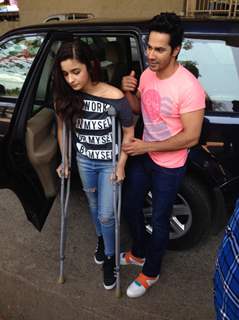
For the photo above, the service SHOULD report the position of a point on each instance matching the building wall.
(35, 11)
(8, 25)
(32, 12)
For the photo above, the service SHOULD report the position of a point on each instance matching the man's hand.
(135, 147)
(129, 83)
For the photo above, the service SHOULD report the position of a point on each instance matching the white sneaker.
(128, 258)
(140, 285)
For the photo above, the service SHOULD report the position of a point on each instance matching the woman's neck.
(91, 88)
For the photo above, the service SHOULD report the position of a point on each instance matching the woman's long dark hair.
(68, 103)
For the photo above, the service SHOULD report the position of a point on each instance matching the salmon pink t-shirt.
(162, 103)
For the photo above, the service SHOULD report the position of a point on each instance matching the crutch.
(117, 189)
(65, 193)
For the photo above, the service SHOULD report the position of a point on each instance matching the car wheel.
(191, 215)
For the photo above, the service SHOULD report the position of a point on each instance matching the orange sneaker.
(140, 285)
(129, 258)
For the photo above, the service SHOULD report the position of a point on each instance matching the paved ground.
(29, 270)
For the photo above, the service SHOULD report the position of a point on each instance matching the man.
(226, 277)
(172, 103)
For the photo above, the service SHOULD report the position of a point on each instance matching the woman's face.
(75, 74)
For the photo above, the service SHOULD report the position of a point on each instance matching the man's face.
(159, 53)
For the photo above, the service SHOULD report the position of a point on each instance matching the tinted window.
(43, 95)
(215, 63)
(117, 55)
(16, 57)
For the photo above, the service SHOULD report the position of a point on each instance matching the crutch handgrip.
(111, 111)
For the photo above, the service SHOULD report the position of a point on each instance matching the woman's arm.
(59, 131)
(59, 139)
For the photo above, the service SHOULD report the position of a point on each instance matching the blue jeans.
(143, 175)
(95, 176)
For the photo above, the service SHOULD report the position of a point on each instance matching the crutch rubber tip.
(61, 280)
(118, 293)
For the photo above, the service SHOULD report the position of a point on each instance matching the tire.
(191, 216)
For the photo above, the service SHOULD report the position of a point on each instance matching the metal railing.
(224, 8)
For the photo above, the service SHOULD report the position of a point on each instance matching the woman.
(82, 101)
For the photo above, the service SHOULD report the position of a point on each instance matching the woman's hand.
(120, 173)
(62, 172)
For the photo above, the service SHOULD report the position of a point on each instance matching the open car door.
(28, 144)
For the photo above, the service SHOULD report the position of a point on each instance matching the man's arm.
(188, 137)
(134, 101)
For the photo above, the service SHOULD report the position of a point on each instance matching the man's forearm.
(188, 137)
(177, 142)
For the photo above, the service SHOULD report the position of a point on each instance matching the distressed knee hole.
(107, 221)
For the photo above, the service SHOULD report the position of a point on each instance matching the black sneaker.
(109, 273)
(99, 255)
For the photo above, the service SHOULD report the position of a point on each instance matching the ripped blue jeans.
(95, 177)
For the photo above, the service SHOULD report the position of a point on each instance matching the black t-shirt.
(93, 131)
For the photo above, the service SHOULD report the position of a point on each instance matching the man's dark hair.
(169, 23)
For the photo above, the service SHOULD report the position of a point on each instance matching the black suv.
(28, 145)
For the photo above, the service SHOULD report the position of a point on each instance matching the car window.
(117, 56)
(215, 63)
(16, 57)
(43, 93)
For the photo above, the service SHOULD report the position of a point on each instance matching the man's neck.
(168, 72)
